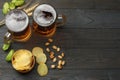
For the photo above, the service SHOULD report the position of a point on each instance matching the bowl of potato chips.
(23, 60)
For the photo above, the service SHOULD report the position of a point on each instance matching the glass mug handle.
(7, 38)
(61, 19)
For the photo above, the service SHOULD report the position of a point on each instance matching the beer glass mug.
(17, 23)
(46, 20)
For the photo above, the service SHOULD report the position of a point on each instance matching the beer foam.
(41, 11)
(16, 20)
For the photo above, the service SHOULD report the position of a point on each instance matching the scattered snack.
(58, 49)
(59, 62)
(50, 40)
(54, 59)
(42, 69)
(9, 56)
(47, 44)
(41, 58)
(23, 60)
(47, 49)
(62, 54)
(52, 55)
(63, 63)
(59, 67)
(53, 66)
(58, 58)
(37, 51)
(54, 47)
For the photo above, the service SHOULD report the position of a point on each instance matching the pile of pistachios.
(56, 55)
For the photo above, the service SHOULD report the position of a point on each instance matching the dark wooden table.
(90, 40)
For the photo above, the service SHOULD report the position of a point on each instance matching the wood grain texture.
(82, 4)
(90, 39)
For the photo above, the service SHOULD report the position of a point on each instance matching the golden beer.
(17, 23)
(44, 20)
(44, 31)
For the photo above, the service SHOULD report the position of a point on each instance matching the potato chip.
(36, 51)
(41, 58)
(42, 69)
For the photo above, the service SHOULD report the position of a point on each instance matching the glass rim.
(48, 5)
(23, 28)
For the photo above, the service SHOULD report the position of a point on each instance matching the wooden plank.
(87, 48)
(82, 4)
(85, 4)
(91, 18)
(64, 74)
(114, 75)
(98, 44)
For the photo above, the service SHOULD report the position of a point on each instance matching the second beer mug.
(17, 23)
(46, 20)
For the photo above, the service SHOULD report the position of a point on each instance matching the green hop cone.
(11, 5)
(9, 56)
(5, 9)
(18, 2)
(13, 1)
(6, 46)
(6, 5)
